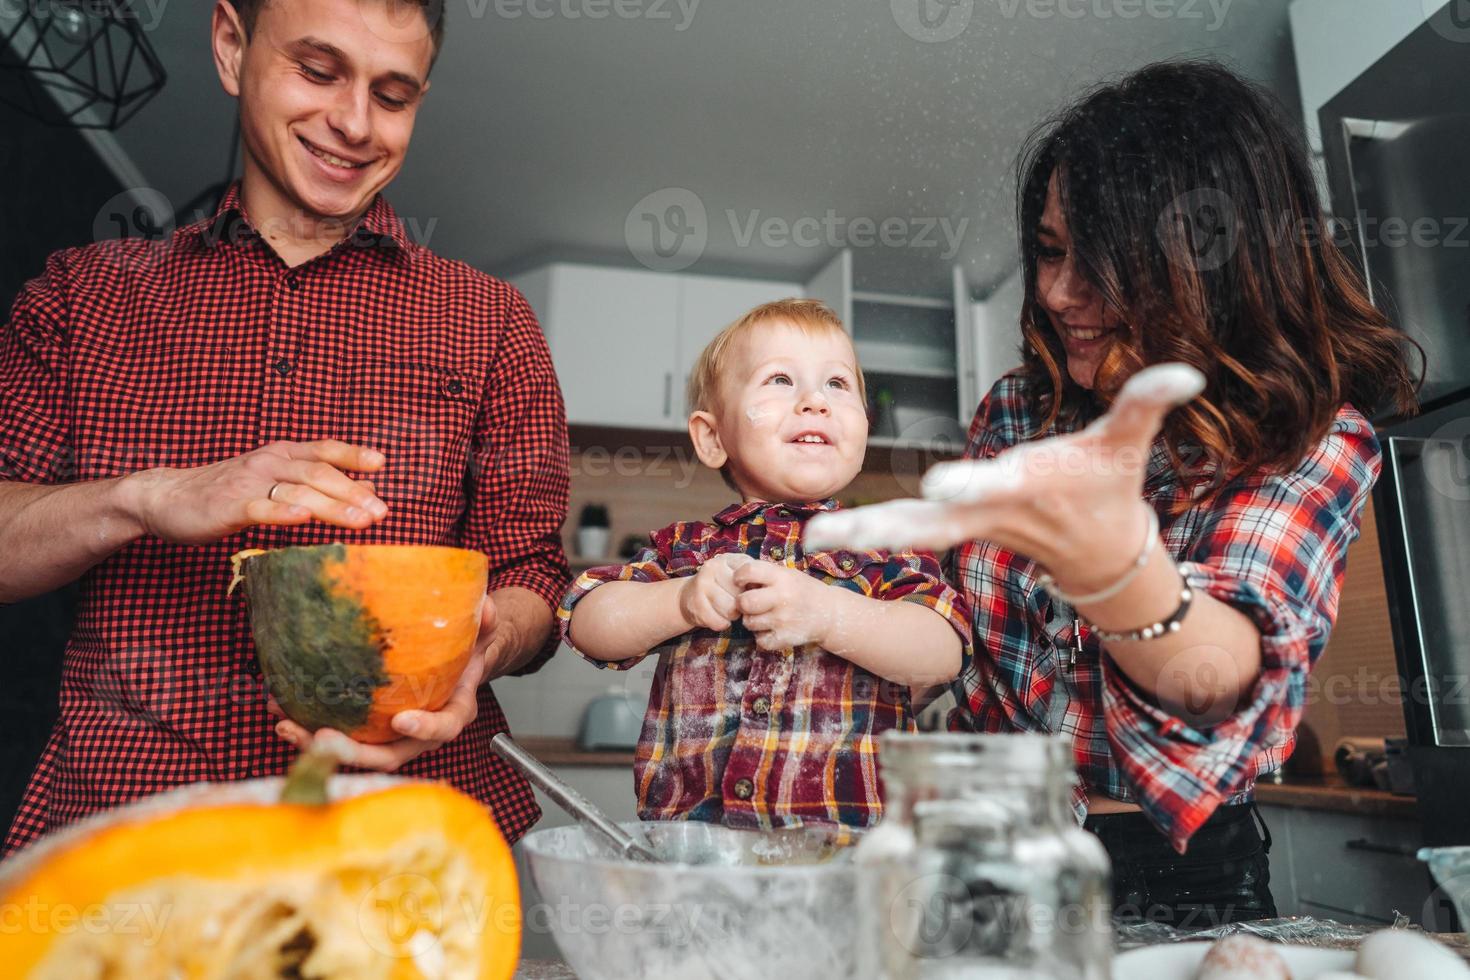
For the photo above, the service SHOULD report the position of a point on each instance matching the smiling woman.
(1153, 522)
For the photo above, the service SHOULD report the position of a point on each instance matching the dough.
(1397, 954)
(1242, 958)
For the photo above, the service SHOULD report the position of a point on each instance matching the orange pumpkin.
(391, 880)
(350, 635)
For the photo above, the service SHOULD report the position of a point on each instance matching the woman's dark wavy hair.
(1194, 211)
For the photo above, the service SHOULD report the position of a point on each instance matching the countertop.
(1330, 793)
(564, 752)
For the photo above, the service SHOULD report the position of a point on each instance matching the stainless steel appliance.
(1397, 142)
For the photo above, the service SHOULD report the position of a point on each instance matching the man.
(292, 371)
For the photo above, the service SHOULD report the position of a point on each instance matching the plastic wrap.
(1301, 930)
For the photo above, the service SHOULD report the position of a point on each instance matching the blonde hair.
(809, 315)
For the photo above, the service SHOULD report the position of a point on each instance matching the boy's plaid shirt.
(1274, 547)
(736, 735)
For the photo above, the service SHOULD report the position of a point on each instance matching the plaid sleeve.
(35, 407)
(1275, 549)
(646, 566)
(518, 482)
(916, 576)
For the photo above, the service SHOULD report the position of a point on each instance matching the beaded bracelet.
(1153, 630)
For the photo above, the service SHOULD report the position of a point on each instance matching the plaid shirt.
(754, 739)
(128, 355)
(1275, 547)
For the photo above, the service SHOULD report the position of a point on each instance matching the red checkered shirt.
(128, 355)
(748, 738)
(1274, 547)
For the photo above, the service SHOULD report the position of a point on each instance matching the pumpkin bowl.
(350, 635)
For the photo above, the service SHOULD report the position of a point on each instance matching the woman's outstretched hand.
(1072, 503)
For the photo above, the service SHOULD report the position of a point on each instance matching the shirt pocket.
(845, 567)
(421, 416)
(150, 404)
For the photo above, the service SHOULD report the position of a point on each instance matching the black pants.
(1223, 878)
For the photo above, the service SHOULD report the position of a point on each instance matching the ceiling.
(542, 133)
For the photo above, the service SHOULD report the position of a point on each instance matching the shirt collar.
(748, 512)
(378, 226)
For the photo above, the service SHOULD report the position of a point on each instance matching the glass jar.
(978, 868)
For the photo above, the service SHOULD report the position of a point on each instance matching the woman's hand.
(1072, 503)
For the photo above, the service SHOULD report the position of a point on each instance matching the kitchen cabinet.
(624, 340)
(1346, 866)
(613, 335)
(707, 305)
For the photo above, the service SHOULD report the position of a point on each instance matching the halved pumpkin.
(391, 880)
(350, 635)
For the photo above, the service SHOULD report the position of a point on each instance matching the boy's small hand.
(707, 598)
(783, 607)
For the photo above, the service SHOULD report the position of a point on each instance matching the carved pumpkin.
(391, 880)
(350, 635)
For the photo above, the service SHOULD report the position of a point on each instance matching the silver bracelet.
(1150, 538)
(1153, 630)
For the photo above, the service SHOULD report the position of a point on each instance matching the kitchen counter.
(564, 752)
(1331, 794)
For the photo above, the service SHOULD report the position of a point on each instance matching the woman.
(1157, 585)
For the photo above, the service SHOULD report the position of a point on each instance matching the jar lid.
(1018, 753)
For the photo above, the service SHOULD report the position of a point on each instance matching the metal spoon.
(564, 796)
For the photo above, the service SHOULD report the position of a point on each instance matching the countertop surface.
(564, 752)
(1332, 794)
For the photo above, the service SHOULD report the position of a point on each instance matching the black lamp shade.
(83, 63)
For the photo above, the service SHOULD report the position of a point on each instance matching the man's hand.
(283, 483)
(783, 607)
(708, 597)
(422, 731)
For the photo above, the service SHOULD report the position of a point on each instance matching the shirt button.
(783, 512)
(292, 283)
(761, 707)
(845, 564)
(454, 386)
(284, 367)
(778, 553)
(744, 789)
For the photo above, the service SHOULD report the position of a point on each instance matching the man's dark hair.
(433, 13)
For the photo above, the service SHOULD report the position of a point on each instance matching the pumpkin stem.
(237, 571)
(306, 783)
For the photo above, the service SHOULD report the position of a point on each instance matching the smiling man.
(292, 370)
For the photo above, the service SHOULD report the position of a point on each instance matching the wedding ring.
(272, 494)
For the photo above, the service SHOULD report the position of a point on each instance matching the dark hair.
(433, 14)
(1173, 157)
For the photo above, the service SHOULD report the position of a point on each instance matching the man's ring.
(272, 494)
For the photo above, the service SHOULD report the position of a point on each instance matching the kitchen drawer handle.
(668, 393)
(1372, 847)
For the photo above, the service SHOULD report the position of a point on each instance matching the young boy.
(778, 668)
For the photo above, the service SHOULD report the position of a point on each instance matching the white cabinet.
(612, 333)
(625, 340)
(707, 305)
(996, 322)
